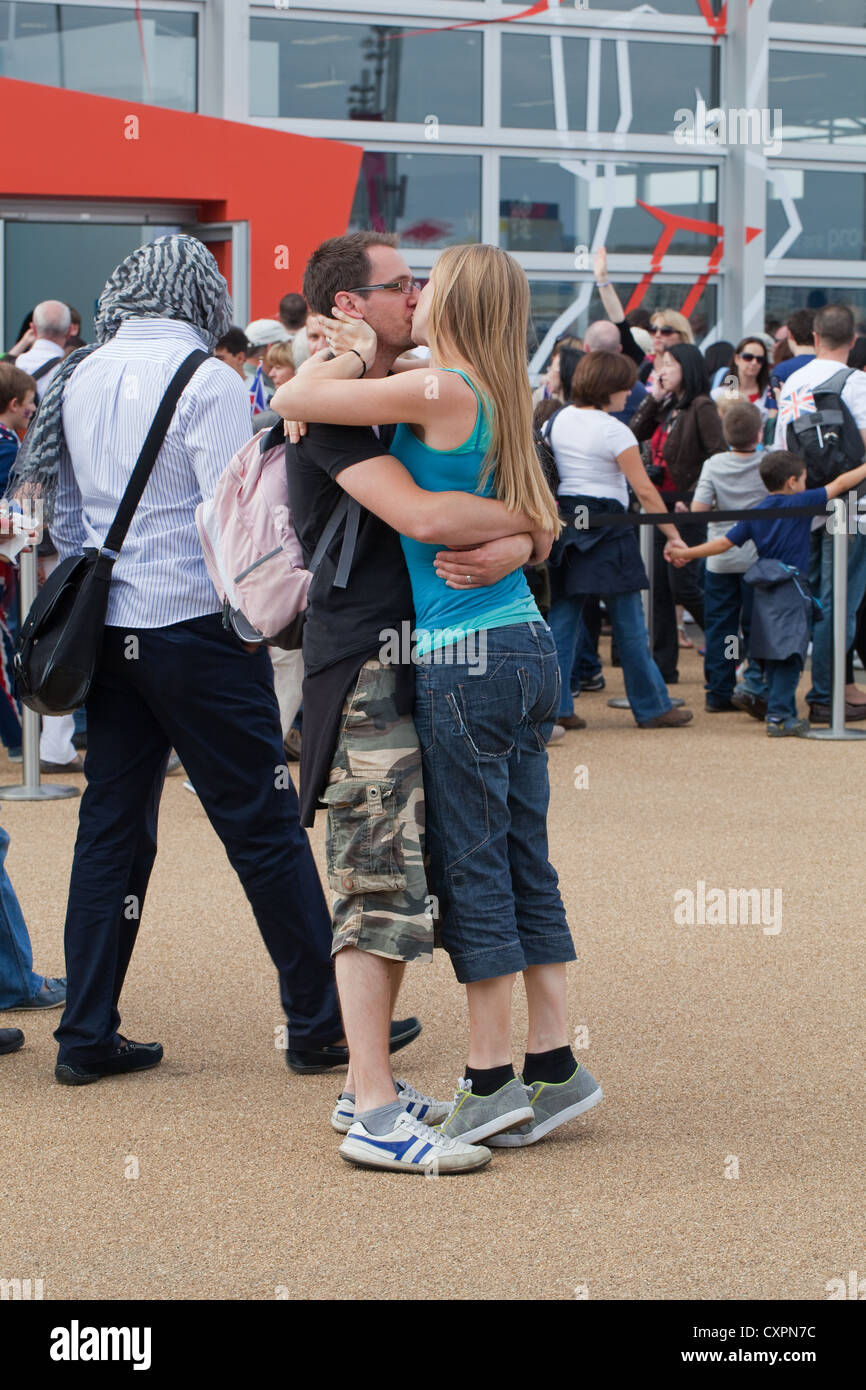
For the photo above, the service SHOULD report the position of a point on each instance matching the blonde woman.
(487, 683)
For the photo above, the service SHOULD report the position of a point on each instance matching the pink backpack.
(252, 553)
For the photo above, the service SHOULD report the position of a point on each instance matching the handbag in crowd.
(61, 638)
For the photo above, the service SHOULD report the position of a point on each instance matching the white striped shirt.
(108, 406)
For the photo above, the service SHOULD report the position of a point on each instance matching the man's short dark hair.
(340, 263)
(293, 312)
(741, 424)
(834, 325)
(799, 325)
(234, 341)
(778, 466)
(599, 375)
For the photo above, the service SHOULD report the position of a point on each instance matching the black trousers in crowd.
(194, 688)
(670, 587)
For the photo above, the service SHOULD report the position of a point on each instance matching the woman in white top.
(596, 458)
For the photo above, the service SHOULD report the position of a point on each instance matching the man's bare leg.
(366, 987)
(398, 968)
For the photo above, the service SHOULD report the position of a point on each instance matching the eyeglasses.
(406, 285)
(663, 328)
(751, 356)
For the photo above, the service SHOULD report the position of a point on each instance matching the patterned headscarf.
(174, 277)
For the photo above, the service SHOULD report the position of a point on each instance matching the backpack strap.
(835, 383)
(347, 511)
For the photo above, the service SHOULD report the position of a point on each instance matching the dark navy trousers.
(191, 687)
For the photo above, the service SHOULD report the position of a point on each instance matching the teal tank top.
(444, 616)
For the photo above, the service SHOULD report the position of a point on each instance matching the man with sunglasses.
(360, 756)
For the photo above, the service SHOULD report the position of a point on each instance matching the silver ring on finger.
(469, 579)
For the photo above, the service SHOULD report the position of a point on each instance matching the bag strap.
(148, 456)
(834, 384)
(349, 511)
(46, 367)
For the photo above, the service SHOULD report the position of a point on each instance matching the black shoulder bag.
(61, 639)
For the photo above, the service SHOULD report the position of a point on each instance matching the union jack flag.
(800, 402)
(258, 399)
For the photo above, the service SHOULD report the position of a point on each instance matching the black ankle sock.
(486, 1080)
(554, 1066)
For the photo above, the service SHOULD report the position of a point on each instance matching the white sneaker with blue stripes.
(421, 1107)
(411, 1147)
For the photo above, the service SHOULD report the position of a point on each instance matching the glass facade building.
(718, 151)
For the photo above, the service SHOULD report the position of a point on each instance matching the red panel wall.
(293, 190)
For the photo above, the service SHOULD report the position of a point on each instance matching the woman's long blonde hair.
(479, 314)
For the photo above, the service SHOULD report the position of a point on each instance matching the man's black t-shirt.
(343, 622)
(343, 627)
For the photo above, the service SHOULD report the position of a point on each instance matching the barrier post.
(837, 729)
(646, 540)
(31, 787)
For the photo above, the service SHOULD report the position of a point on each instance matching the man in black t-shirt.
(360, 755)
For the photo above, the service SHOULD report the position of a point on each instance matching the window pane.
(831, 207)
(429, 200)
(550, 298)
(819, 12)
(598, 7)
(363, 72)
(95, 50)
(527, 82)
(544, 207)
(781, 299)
(661, 78)
(820, 96)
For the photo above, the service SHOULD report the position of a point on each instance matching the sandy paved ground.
(720, 1048)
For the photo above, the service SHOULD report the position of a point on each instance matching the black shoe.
(821, 714)
(721, 707)
(132, 1056)
(403, 1031)
(751, 704)
(11, 1039)
(596, 683)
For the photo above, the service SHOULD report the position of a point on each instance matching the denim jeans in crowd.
(782, 679)
(727, 611)
(482, 732)
(821, 583)
(644, 686)
(587, 662)
(18, 981)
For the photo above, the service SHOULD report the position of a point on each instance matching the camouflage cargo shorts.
(375, 836)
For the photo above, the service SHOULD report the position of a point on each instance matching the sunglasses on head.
(752, 356)
(663, 328)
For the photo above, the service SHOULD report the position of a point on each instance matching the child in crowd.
(782, 607)
(279, 363)
(17, 408)
(729, 481)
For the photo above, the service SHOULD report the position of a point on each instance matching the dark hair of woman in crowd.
(718, 355)
(762, 380)
(696, 381)
(857, 355)
(782, 351)
(568, 360)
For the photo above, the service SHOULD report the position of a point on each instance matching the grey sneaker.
(554, 1104)
(475, 1117)
(419, 1106)
(796, 728)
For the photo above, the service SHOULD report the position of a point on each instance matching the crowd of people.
(429, 491)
